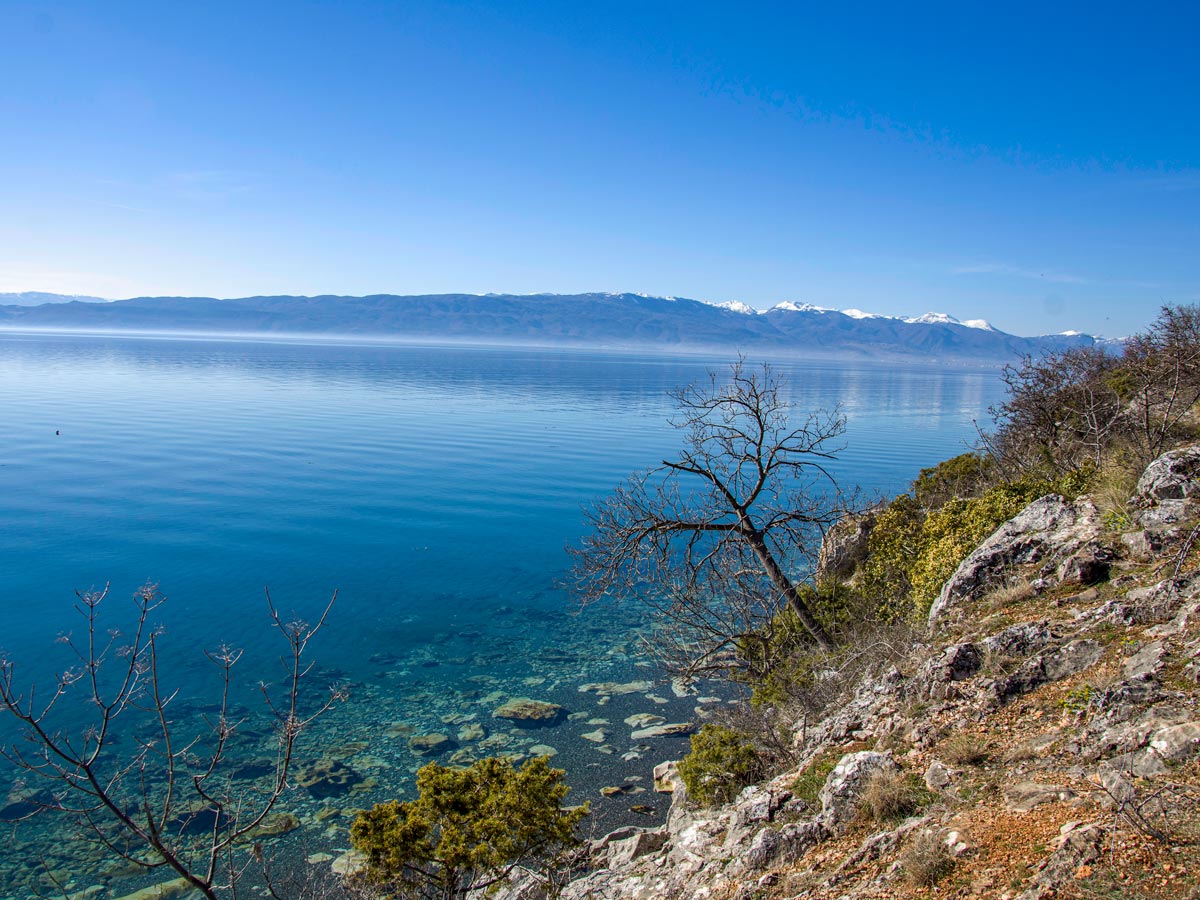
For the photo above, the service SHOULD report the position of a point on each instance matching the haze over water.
(434, 488)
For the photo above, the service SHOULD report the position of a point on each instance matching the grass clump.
(926, 860)
(722, 761)
(964, 750)
(807, 785)
(892, 796)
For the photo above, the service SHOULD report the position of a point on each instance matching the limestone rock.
(938, 777)
(1025, 795)
(644, 720)
(165, 890)
(1078, 848)
(845, 784)
(526, 713)
(1177, 742)
(666, 777)
(1147, 661)
(612, 688)
(670, 728)
(625, 845)
(430, 744)
(1173, 476)
(327, 778)
(1049, 526)
(276, 823)
(845, 546)
(352, 862)
(472, 731)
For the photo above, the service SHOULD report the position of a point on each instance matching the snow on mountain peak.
(981, 324)
(860, 314)
(793, 306)
(737, 306)
(933, 318)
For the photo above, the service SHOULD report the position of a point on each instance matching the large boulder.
(845, 785)
(1050, 528)
(526, 713)
(1173, 476)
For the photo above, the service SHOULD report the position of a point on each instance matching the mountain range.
(610, 321)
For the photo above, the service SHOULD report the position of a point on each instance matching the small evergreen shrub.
(721, 762)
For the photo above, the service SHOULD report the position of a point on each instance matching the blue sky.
(1037, 166)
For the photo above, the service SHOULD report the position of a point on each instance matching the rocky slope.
(1042, 740)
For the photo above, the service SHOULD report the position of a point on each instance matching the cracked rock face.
(846, 783)
(1173, 476)
(1049, 528)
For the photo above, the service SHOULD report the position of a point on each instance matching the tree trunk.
(759, 545)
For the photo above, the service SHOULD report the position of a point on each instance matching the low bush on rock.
(722, 762)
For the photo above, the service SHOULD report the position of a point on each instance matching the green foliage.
(960, 476)
(807, 785)
(891, 555)
(1079, 699)
(721, 762)
(911, 552)
(468, 828)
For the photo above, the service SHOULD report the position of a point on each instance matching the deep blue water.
(434, 488)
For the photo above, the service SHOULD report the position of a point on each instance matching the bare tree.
(1063, 412)
(1163, 372)
(170, 801)
(717, 539)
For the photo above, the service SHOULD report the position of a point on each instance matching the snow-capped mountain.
(631, 321)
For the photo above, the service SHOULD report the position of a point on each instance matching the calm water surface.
(434, 488)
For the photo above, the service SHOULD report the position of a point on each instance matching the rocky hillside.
(1041, 741)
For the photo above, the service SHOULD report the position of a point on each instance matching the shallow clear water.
(434, 488)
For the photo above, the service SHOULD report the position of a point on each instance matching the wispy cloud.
(207, 184)
(1018, 272)
(1170, 182)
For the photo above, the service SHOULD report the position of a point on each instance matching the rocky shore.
(1047, 727)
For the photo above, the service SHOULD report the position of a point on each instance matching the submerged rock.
(526, 713)
(611, 688)
(327, 778)
(430, 744)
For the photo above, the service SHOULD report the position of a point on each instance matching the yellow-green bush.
(964, 475)
(722, 762)
(911, 552)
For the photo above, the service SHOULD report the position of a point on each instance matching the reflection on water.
(435, 488)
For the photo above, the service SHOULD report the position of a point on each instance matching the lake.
(435, 488)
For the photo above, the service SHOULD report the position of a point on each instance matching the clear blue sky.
(1037, 166)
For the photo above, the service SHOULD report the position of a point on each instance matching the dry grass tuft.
(890, 796)
(964, 750)
(926, 860)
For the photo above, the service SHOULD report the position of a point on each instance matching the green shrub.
(911, 552)
(722, 762)
(960, 476)
(468, 828)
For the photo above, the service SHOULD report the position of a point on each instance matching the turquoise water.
(434, 488)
